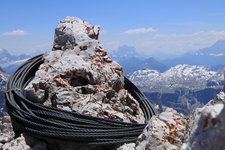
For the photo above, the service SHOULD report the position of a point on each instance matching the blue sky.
(169, 27)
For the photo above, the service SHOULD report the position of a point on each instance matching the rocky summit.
(78, 75)
(169, 130)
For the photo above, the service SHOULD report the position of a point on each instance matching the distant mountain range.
(131, 60)
(127, 56)
(9, 62)
(183, 87)
(213, 56)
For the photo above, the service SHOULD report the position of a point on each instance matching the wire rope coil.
(55, 124)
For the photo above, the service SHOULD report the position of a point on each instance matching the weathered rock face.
(6, 131)
(208, 128)
(167, 130)
(78, 75)
(16, 144)
(72, 32)
(203, 129)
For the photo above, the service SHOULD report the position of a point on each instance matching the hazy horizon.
(159, 28)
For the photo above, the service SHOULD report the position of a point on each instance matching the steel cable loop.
(59, 125)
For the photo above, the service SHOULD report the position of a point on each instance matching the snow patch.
(180, 76)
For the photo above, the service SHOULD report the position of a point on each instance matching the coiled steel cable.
(58, 125)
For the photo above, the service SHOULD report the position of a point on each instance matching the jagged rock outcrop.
(168, 130)
(207, 128)
(16, 144)
(203, 129)
(78, 75)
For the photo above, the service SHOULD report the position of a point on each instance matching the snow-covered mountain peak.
(145, 73)
(9, 62)
(190, 71)
(180, 76)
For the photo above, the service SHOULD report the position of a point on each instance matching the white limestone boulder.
(208, 126)
(78, 75)
(166, 131)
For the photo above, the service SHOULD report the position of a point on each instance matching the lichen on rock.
(167, 130)
(78, 75)
(203, 129)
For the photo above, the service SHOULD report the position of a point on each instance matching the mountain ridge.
(183, 87)
(10, 62)
(212, 56)
(131, 60)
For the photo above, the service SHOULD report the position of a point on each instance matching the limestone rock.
(130, 146)
(78, 75)
(68, 27)
(167, 130)
(16, 144)
(220, 97)
(208, 128)
(6, 130)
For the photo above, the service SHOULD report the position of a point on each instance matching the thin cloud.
(177, 43)
(216, 54)
(17, 32)
(139, 31)
(163, 44)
